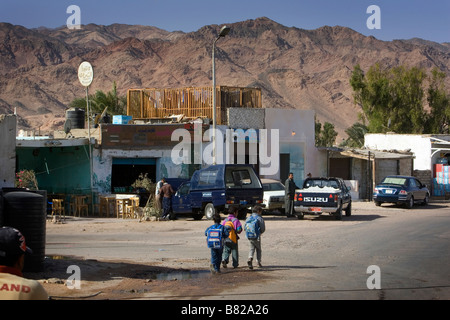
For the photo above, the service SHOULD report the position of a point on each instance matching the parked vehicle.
(273, 198)
(217, 187)
(401, 190)
(321, 195)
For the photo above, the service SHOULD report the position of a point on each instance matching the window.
(207, 177)
(395, 180)
(241, 177)
(276, 186)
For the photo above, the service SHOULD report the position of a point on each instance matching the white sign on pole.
(85, 73)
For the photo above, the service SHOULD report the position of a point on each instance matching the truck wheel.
(209, 211)
(197, 216)
(300, 215)
(348, 210)
(338, 214)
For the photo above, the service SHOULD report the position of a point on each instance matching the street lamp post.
(223, 32)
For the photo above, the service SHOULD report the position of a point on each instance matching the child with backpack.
(254, 226)
(215, 236)
(231, 243)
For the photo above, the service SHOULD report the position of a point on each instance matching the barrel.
(76, 118)
(27, 212)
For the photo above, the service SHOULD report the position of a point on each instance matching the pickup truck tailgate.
(315, 202)
(251, 197)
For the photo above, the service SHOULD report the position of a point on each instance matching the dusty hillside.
(296, 68)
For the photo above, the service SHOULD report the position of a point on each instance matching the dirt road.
(315, 258)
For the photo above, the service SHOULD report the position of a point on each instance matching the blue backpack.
(214, 237)
(252, 230)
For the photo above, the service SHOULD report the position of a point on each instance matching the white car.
(273, 198)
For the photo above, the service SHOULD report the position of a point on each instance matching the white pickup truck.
(321, 195)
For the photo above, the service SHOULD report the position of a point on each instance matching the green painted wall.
(58, 169)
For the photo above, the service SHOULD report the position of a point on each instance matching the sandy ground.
(128, 275)
(125, 259)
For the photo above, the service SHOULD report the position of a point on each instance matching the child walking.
(231, 245)
(215, 238)
(254, 227)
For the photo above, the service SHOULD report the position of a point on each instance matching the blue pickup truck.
(215, 188)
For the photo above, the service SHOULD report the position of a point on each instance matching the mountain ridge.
(296, 68)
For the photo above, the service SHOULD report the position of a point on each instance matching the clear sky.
(399, 19)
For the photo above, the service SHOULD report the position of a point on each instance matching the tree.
(325, 137)
(99, 101)
(391, 99)
(437, 120)
(355, 135)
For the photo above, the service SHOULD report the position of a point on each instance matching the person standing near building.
(159, 184)
(13, 286)
(166, 192)
(290, 187)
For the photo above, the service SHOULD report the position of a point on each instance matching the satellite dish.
(67, 127)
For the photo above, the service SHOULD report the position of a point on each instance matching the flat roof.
(41, 142)
(374, 154)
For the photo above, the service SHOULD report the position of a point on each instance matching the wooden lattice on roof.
(191, 102)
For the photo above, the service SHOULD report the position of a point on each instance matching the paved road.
(315, 258)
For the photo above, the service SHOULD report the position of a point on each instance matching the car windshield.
(275, 186)
(395, 180)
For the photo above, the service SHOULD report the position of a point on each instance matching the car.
(401, 190)
(273, 198)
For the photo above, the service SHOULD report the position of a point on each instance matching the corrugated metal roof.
(374, 154)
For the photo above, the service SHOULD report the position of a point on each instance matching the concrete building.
(61, 166)
(428, 150)
(8, 124)
(125, 151)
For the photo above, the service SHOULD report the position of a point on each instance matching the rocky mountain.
(296, 68)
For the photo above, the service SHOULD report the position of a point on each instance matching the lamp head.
(224, 31)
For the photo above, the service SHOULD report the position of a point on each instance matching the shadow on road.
(287, 267)
(94, 270)
(326, 217)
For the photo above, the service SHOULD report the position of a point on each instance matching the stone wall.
(246, 118)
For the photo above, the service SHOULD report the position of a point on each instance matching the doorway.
(285, 162)
(125, 172)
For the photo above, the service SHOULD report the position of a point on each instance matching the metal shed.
(368, 167)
